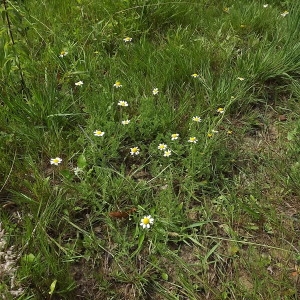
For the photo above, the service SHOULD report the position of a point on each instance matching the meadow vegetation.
(149, 149)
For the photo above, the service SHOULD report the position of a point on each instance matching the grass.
(225, 202)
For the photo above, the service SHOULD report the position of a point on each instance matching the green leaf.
(140, 243)
(81, 162)
(291, 134)
(67, 174)
(180, 206)
(199, 224)
(30, 258)
(52, 287)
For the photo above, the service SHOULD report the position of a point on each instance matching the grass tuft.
(149, 150)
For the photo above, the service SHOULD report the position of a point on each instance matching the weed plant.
(150, 150)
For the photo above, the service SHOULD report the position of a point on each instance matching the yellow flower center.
(146, 221)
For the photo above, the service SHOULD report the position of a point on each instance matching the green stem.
(10, 33)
